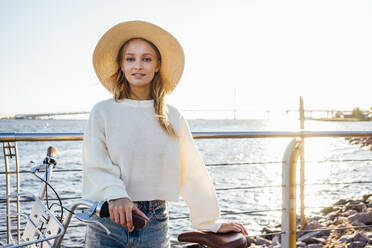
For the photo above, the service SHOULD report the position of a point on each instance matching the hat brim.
(106, 52)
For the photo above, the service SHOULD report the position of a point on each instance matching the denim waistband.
(150, 205)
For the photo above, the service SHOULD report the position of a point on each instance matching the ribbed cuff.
(211, 227)
(115, 192)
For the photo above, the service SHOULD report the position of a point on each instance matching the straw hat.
(106, 52)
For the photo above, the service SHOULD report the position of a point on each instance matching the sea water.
(255, 175)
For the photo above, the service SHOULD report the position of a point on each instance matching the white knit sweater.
(127, 154)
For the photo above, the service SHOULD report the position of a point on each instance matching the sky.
(248, 54)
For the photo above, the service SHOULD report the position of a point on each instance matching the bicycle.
(45, 228)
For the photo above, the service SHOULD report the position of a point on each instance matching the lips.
(138, 75)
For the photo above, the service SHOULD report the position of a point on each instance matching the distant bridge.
(331, 114)
(309, 114)
(46, 115)
(328, 113)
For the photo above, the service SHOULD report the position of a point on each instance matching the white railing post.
(289, 194)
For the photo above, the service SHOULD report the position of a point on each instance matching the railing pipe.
(8, 137)
(302, 164)
(279, 134)
(11, 137)
(7, 179)
(289, 226)
(18, 191)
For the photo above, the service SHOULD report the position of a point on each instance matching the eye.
(147, 59)
(129, 59)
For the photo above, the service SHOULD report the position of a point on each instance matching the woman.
(138, 152)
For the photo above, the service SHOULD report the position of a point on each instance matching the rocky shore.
(361, 141)
(347, 223)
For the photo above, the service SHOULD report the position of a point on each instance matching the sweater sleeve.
(101, 177)
(196, 186)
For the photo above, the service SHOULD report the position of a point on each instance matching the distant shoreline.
(335, 119)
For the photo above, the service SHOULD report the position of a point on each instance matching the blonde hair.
(121, 90)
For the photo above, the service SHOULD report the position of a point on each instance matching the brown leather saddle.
(215, 240)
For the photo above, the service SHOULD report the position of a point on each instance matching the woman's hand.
(232, 227)
(121, 212)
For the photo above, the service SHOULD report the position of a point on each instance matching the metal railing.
(14, 136)
(289, 164)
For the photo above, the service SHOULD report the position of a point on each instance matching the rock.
(276, 240)
(355, 244)
(268, 231)
(354, 202)
(309, 237)
(324, 232)
(314, 246)
(300, 244)
(327, 223)
(341, 231)
(324, 237)
(366, 197)
(346, 238)
(347, 206)
(340, 220)
(360, 207)
(340, 202)
(333, 215)
(327, 210)
(361, 237)
(259, 246)
(250, 240)
(365, 218)
(349, 212)
(354, 205)
(262, 241)
(356, 237)
(320, 240)
(319, 232)
(311, 226)
(322, 219)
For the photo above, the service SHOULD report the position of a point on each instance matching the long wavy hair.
(121, 90)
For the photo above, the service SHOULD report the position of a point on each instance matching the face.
(139, 63)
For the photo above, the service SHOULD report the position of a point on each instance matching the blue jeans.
(153, 235)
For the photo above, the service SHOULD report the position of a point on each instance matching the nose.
(138, 64)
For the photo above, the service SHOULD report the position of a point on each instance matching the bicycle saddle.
(215, 240)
